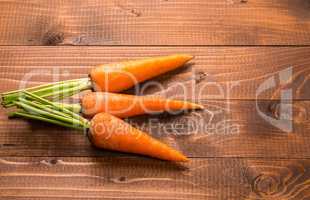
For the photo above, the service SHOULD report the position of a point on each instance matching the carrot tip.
(188, 57)
(181, 157)
(185, 159)
(197, 106)
(201, 107)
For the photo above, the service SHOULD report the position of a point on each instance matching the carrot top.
(58, 90)
(37, 108)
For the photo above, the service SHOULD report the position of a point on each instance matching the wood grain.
(236, 152)
(215, 73)
(224, 129)
(129, 178)
(224, 79)
(159, 22)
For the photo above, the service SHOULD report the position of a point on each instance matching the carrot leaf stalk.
(26, 115)
(55, 106)
(76, 108)
(58, 90)
(41, 109)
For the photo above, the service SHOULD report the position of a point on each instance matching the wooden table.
(239, 45)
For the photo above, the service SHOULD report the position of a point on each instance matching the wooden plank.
(215, 73)
(127, 178)
(241, 69)
(139, 22)
(224, 129)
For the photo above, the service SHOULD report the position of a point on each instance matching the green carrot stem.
(59, 89)
(43, 86)
(44, 119)
(76, 108)
(60, 94)
(33, 110)
(45, 90)
(44, 108)
(65, 88)
(62, 85)
(7, 98)
(56, 106)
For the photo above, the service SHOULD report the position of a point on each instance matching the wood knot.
(52, 38)
(53, 161)
(237, 1)
(49, 162)
(265, 185)
(135, 12)
(122, 179)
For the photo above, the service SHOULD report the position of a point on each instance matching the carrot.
(105, 130)
(123, 105)
(113, 77)
(109, 132)
(121, 76)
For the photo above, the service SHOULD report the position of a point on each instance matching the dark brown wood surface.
(236, 152)
(237, 132)
(130, 178)
(159, 22)
(215, 73)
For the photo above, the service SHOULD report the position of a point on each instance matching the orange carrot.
(121, 76)
(109, 132)
(113, 77)
(105, 130)
(123, 105)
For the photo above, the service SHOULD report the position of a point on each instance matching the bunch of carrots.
(104, 106)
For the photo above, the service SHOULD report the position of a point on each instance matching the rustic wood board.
(132, 178)
(156, 22)
(233, 129)
(246, 133)
(236, 153)
(215, 73)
